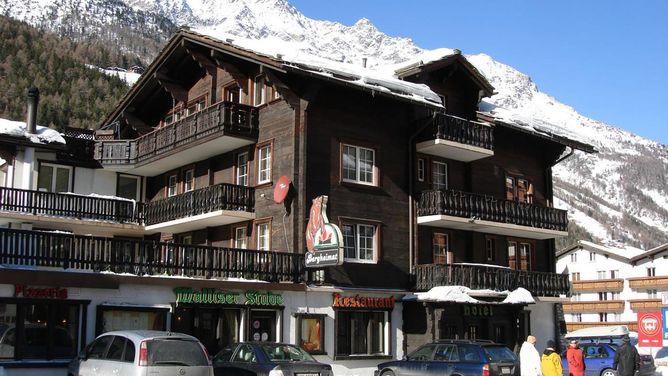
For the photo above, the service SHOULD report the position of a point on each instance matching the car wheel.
(608, 372)
(387, 373)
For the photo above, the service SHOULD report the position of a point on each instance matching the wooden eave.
(651, 254)
(546, 135)
(22, 141)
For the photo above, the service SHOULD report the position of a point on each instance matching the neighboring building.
(610, 286)
(171, 224)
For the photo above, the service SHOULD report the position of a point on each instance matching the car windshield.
(286, 353)
(500, 354)
(176, 352)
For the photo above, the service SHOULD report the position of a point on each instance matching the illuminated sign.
(362, 302)
(324, 241)
(214, 296)
(23, 291)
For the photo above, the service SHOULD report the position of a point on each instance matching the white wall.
(542, 323)
(87, 181)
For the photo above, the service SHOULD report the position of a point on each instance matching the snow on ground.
(595, 228)
(519, 296)
(128, 77)
(44, 135)
(463, 294)
(659, 198)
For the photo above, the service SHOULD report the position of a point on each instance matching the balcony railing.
(638, 305)
(490, 277)
(594, 306)
(641, 283)
(142, 257)
(25, 201)
(487, 208)
(231, 118)
(598, 285)
(201, 201)
(452, 128)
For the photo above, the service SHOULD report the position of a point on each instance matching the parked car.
(455, 357)
(142, 352)
(267, 359)
(599, 357)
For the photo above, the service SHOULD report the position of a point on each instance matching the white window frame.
(172, 189)
(651, 272)
(358, 237)
(241, 177)
(577, 317)
(264, 172)
(240, 237)
(614, 274)
(576, 297)
(263, 235)
(600, 274)
(55, 168)
(420, 169)
(436, 173)
(574, 257)
(189, 182)
(652, 294)
(259, 90)
(592, 256)
(345, 148)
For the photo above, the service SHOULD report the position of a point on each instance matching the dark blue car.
(599, 357)
(455, 357)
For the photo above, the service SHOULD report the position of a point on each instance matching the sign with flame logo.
(649, 329)
(324, 241)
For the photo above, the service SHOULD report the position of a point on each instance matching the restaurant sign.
(23, 291)
(214, 296)
(362, 302)
(324, 242)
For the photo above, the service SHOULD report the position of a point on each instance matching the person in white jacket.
(529, 358)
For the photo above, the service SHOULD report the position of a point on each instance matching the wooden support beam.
(175, 88)
(283, 89)
(238, 76)
(204, 61)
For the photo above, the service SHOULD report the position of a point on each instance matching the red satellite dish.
(281, 189)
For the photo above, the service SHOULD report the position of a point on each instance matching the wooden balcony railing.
(233, 119)
(71, 206)
(572, 326)
(595, 306)
(142, 257)
(643, 283)
(456, 129)
(645, 305)
(487, 208)
(200, 201)
(598, 285)
(490, 277)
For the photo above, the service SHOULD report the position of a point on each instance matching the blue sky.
(607, 59)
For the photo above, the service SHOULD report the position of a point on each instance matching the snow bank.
(457, 294)
(44, 135)
(519, 296)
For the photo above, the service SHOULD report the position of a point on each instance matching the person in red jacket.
(575, 357)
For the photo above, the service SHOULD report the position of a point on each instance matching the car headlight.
(276, 372)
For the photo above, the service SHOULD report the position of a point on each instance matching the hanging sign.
(23, 291)
(324, 242)
(649, 329)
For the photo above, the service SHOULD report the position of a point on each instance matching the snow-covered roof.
(463, 294)
(652, 253)
(625, 254)
(44, 135)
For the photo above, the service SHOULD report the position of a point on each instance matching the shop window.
(441, 249)
(359, 242)
(420, 169)
(54, 178)
(439, 175)
(216, 328)
(128, 187)
(240, 237)
(171, 185)
(358, 165)
(361, 333)
(189, 180)
(242, 169)
(262, 326)
(110, 318)
(311, 333)
(520, 255)
(518, 189)
(264, 163)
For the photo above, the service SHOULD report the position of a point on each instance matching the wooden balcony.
(644, 283)
(458, 139)
(51, 250)
(490, 277)
(217, 205)
(598, 285)
(481, 213)
(220, 128)
(47, 207)
(571, 326)
(608, 306)
(646, 305)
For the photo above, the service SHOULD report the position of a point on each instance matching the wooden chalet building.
(427, 191)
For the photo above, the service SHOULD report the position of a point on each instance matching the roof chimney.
(31, 117)
(364, 62)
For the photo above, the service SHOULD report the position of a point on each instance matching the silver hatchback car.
(142, 353)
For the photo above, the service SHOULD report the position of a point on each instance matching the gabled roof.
(651, 254)
(623, 255)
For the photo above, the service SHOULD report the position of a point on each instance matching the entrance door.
(204, 328)
(262, 326)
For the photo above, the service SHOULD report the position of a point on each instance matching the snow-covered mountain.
(617, 197)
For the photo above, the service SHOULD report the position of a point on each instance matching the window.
(518, 189)
(128, 187)
(232, 93)
(614, 295)
(264, 164)
(441, 251)
(259, 91)
(195, 106)
(189, 180)
(263, 236)
(54, 178)
(439, 175)
(575, 276)
(110, 318)
(242, 169)
(361, 332)
(574, 257)
(240, 238)
(520, 255)
(576, 297)
(600, 274)
(359, 242)
(577, 317)
(420, 169)
(617, 316)
(592, 256)
(614, 274)
(651, 272)
(171, 186)
(602, 317)
(490, 248)
(651, 294)
(312, 333)
(602, 296)
(358, 165)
